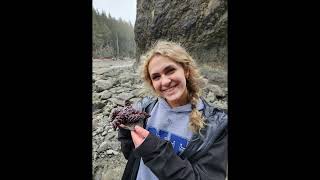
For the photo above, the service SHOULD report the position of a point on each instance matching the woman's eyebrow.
(169, 67)
(154, 74)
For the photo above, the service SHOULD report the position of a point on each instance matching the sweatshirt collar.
(185, 108)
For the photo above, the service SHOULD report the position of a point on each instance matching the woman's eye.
(155, 77)
(171, 71)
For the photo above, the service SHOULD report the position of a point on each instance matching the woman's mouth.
(169, 89)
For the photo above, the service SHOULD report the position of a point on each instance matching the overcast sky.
(126, 9)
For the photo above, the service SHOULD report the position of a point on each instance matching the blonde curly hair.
(194, 81)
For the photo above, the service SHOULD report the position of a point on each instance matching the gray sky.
(126, 9)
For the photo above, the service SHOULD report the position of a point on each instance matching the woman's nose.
(166, 81)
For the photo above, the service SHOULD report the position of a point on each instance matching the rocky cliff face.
(199, 25)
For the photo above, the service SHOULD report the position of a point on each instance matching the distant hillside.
(111, 37)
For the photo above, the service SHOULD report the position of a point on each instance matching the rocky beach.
(115, 81)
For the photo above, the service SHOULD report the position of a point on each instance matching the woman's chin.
(173, 98)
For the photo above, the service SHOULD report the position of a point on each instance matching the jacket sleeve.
(124, 136)
(159, 156)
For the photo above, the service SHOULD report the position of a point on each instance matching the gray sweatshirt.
(171, 124)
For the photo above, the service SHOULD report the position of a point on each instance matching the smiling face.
(168, 80)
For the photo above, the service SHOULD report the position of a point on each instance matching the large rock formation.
(199, 25)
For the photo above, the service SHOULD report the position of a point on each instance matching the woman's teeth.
(169, 89)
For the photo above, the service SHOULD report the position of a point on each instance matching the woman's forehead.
(159, 63)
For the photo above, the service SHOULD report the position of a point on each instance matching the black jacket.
(204, 158)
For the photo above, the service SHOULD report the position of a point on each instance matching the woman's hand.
(138, 135)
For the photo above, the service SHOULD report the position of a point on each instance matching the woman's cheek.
(155, 86)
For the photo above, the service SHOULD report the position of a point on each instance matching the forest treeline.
(111, 37)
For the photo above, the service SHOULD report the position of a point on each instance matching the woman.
(185, 137)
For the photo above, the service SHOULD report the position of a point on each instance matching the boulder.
(102, 85)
